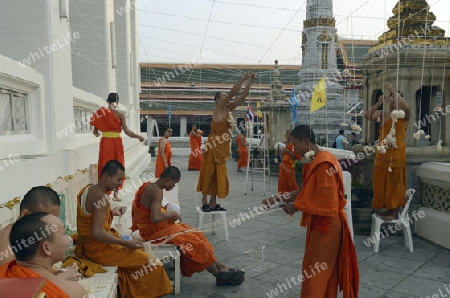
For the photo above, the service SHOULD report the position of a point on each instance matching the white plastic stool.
(347, 177)
(403, 220)
(200, 214)
(164, 251)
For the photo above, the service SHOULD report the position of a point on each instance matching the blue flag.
(169, 111)
(293, 104)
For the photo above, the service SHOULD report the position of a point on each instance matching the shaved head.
(38, 198)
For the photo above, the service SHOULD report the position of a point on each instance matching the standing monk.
(155, 223)
(242, 151)
(389, 169)
(286, 177)
(213, 178)
(328, 239)
(195, 142)
(111, 122)
(100, 243)
(164, 158)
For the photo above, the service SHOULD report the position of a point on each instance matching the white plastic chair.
(403, 220)
(348, 193)
(200, 214)
(162, 251)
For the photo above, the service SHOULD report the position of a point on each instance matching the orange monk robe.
(286, 176)
(111, 146)
(196, 252)
(159, 160)
(12, 270)
(243, 152)
(213, 178)
(152, 280)
(196, 157)
(389, 188)
(328, 238)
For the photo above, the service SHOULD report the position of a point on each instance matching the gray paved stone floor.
(275, 247)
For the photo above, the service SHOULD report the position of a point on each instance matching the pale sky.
(252, 31)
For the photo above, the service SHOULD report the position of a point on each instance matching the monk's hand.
(267, 202)
(119, 211)
(249, 74)
(381, 99)
(290, 209)
(133, 244)
(141, 139)
(71, 273)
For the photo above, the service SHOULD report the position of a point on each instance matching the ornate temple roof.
(411, 23)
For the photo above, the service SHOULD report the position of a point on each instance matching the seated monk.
(155, 223)
(38, 199)
(100, 243)
(40, 241)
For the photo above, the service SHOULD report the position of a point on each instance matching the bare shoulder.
(72, 288)
(147, 195)
(96, 197)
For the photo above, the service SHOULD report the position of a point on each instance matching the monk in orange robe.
(196, 156)
(110, 122)
(389, 171)
(286, 176)
(330, 260)
(100, 243)
(213, 179)
(37, 199)
(164, 158)
(242, 151)
(156, 224)
(44, 233)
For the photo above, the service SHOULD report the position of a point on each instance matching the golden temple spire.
(416, 25)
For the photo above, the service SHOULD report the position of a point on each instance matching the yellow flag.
(319, 97)
(258, 112)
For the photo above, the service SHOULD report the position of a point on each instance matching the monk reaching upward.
(100, 243)
(155, 223)
(389, 168)
(37, 199)
(213, 179)
(45, 244)
(329, 243)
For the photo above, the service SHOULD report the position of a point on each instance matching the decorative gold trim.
(311, 23)
(49, 185)
(68, 177)
(85, 170)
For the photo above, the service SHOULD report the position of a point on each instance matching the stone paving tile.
(434, 272)
(401, 252)
(441, 259)
(394, 272)
(393, 263)
(421, 287)
(382, 278)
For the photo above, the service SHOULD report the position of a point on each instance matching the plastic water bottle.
(126, 237)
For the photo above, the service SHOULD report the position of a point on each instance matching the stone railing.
(435, 185)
